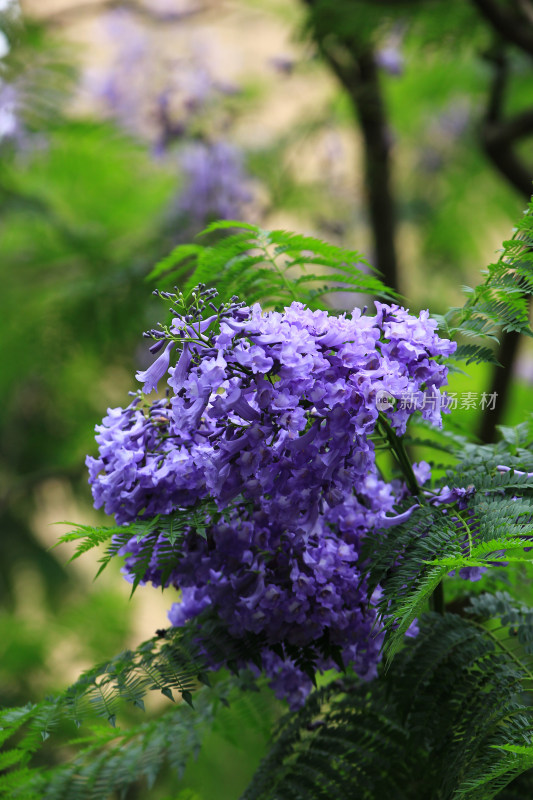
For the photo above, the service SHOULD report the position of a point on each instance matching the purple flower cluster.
(167, 103)
(11, 126)
(274, 417)
(216, 185)
(171, 111)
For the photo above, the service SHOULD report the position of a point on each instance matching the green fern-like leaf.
(445, 714)
(110, 760)
(271, 267)
(409, 561)
(501, 302)
(164, 532)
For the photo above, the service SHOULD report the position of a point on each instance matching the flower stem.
(398, 448)
(436, 601)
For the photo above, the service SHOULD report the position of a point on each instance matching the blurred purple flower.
(216, 184)
(443, 133)
(390, 59)
(11, 126)
(282, 64)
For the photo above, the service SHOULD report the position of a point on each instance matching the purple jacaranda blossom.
(422, 472)
(472, 573)
(398, 519)
(12, 127)
(283, 64)
(458, 496)
(125, 84)
(389, 56)
(272, 416)
(467, 526)
(216, 185)
(502, 468)
(390, 59)
(163, 100)
(150, 377)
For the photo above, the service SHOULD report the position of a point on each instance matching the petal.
(151, 376)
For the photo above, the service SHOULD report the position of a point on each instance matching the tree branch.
(512, 28)
(356, 70)
(498, 136)
(511, 129)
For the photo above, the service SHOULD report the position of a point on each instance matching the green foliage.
(77, 237)
(82, 217)
(165, 533)
(446, 720)
(271, 267)
(350, 733)
(172, 661)
(111, 760)
(501, 302)
(431, 21)
(411, 560)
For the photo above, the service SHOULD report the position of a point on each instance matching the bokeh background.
(400, 129)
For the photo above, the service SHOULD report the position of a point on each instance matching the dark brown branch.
(526, 6)
(513, 128)
(507, 163)
(501, 381)
(506, 24)
(498, 136)
(357, 71)
(496, 99)
(353, 63)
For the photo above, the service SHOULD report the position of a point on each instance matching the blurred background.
(401, 129)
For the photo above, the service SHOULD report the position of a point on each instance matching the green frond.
(164, 532)
(492, 782)
(342, 741)
(271, 267)
(474, 354)
(110, 761)
(501, 302)
(403, 614)
(228, 224)
(410, 560)
(90, 536)
(180, 261)
(172, 663)
(445, 713)
(159, 664)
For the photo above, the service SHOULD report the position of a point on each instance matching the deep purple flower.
(272, 415)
